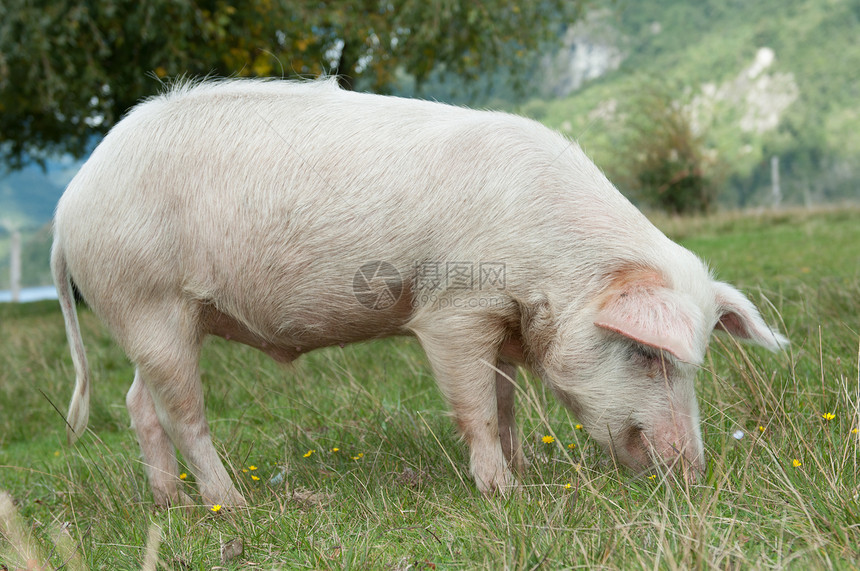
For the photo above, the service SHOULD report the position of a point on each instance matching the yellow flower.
(252, 468)
(255, 478)
(652, 477)
(578, 427)
(796, 463)
(360, 455)
(572, 445)
(828, 416)
(855, 431)
(216, 508)
(244, 470)
(548, 439)
(308, 453)
(335, 449)
(183, 476)
(567, 486)
(760, 428)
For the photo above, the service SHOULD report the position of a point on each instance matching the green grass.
(396, 495)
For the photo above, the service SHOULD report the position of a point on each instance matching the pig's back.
(244, 190)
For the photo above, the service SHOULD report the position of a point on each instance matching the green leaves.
(70, 70)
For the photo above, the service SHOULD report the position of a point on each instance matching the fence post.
(774, 180)
(15, 266)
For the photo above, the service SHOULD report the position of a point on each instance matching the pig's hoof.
(507, 490)
(500, 483)
(230, 500)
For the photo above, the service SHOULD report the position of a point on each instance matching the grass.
(396, 492)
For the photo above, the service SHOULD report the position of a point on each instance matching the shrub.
(667, 164)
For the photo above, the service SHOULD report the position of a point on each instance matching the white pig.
(290, 216)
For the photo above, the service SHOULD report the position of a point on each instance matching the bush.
(666, 163)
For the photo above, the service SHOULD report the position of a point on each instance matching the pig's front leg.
(506, 378)
(463, 351)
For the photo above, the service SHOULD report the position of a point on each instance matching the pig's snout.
(678, 446)
(680, 451)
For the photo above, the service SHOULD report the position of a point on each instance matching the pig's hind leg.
(463, 351)
(164, 342)
(506, 378)
(159, 456)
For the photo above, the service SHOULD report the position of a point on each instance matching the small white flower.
(738, 434)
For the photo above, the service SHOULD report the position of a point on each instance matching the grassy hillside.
(689, 48)
(357, 465)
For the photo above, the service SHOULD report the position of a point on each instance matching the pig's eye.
(643, 354)
(655, 363)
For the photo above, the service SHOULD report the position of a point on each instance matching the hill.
(760, 79)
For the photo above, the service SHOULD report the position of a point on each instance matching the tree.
(69, 69)
(666, 163)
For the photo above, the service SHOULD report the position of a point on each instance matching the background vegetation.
(70, 70)
(667, 166)
(695, 49)
(357, 466)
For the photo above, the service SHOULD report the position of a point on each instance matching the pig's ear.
(738, 317)
(647, 312)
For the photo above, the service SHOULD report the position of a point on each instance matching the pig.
(290, 216)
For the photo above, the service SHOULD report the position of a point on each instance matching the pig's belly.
(287, 338)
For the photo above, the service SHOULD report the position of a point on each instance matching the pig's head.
(626, 364)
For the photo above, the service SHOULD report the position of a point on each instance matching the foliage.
(407, 502)
(667, 165)
(69, 70)
(809, 166)
(691, 46)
